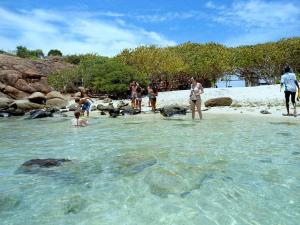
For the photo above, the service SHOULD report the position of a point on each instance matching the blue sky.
(106, 27)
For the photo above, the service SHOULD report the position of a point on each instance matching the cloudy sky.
(106, 27)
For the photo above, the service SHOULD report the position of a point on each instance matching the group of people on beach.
(136, 94)
(288, 81)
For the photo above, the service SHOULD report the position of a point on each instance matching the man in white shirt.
(290, 83)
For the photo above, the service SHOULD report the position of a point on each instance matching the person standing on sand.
(85, 104)
(290, 83)
(133, 87)
(195, 98)
(152, 92)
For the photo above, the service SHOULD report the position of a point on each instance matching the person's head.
(134, 82)
(77, 100)
(77, 114)
(193, 80)
(287, 69)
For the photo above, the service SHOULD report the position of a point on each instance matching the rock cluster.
(19, 77)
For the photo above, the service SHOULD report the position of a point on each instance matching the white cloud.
(72, 32)
(259, 21)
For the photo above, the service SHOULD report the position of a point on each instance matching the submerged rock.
(46, 163)
(129, 110)
(8, 202)
(171, 110)
(74, 204)
(132, 164)
(40, 113)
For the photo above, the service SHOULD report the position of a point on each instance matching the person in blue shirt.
(290, 84)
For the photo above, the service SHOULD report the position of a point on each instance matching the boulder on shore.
(37, 97)
(222, 101)
(4, 102)
(25, 105)
(171, 110)
(55, 94)
(56, 103)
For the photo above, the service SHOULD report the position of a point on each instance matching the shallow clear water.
(149, 170)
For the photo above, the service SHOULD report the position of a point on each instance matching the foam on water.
(148, 170)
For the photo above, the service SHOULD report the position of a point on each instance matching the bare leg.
(193, 109)
(198, 105)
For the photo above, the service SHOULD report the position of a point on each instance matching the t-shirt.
(288, 80)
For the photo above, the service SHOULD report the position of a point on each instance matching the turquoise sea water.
(226, 169)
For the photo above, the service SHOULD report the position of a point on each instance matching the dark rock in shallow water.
(114, 113)
(129, 110)
(45, 163)
(105, 108)
(264, 112)
(171, 110)
(40, 113)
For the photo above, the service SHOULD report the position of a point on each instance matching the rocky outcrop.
(20, 77)
(223, 101)
(171, 110)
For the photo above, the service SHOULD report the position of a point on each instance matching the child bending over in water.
(77, 122)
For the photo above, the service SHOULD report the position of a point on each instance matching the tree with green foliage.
(23, 52)
(55, 52)
(113, 77)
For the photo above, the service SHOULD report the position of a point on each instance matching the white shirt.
(288, 80)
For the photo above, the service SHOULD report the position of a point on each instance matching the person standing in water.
(290, 83)
(77, 122)
(195, 98)
(152, 92)
(138, 102)
(85, 104)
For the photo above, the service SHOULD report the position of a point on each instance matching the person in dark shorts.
(84, 104)
(290, 83)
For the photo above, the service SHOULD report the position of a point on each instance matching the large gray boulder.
(55, 94)
(223, 101)
(56, 103)
(25, 105)
(171, 110)
(37, 97)
(4, 102)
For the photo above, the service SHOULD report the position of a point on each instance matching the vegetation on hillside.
(175, 65)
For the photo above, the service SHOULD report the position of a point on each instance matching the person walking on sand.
(195, 98)
(77, 122)
(290, 83)
(84, 104)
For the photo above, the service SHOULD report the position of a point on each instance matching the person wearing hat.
(290, 83)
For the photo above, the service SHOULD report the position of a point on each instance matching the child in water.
(77, 122)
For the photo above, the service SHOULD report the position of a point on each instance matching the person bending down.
(84, 104)
(290, 83)
(77, 122)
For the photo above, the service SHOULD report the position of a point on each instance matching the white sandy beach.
(246, 100)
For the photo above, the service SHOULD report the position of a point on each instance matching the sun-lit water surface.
(149, 170)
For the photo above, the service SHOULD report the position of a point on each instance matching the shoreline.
(246, 100)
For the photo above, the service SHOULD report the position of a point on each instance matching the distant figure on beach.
(152, 92)
(77, 122)
(133, 87)
(84, 104)
(195, 98)
(290, 83)
(138, 101)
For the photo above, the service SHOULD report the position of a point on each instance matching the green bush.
(54, 52)
(114, 78)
